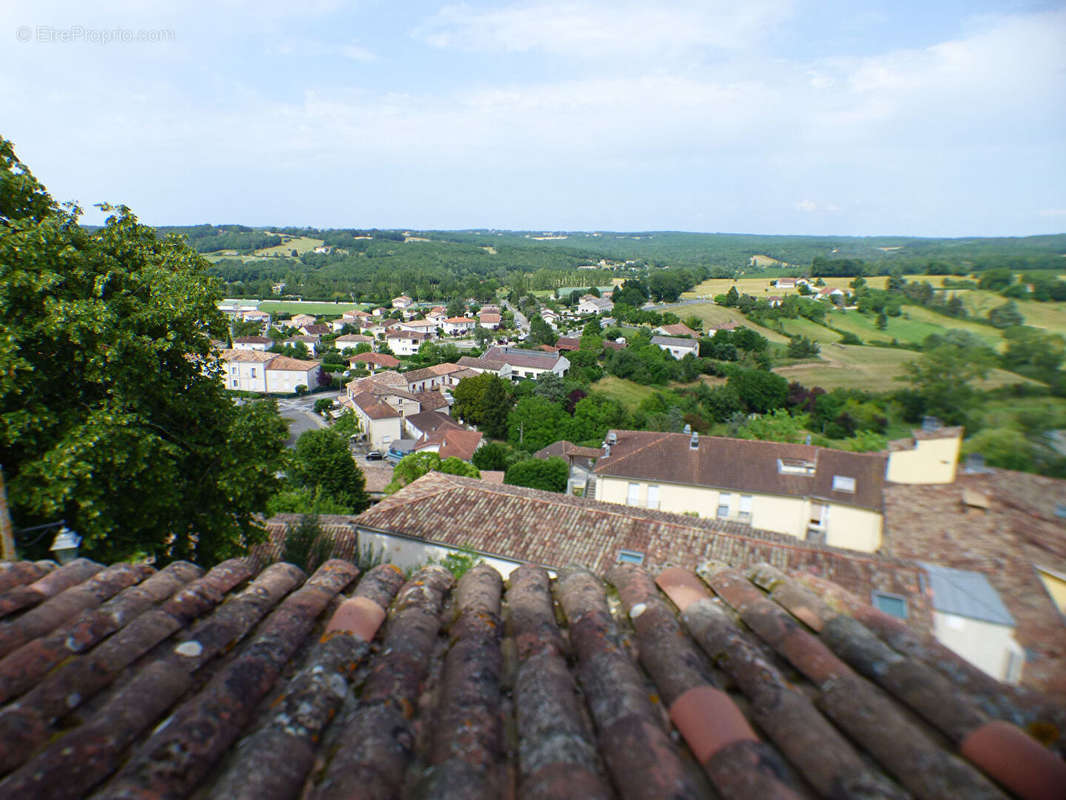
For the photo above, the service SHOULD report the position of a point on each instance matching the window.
(795, 466)
(745, 508)
(235, 383)
(724, 501)
(653, 496)
(633, 497)
(253, 372)
(842, 483)
(630, 557)
(893, 604)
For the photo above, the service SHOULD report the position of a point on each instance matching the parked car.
(374, 455)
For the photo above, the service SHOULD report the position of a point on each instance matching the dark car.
(374, 455)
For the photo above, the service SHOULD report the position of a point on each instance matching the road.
(520, 320)
(300, 414)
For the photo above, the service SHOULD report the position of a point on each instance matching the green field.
(626, 392)
(851, 367)
(718, 315)
(301, 244)
(295, 307)
(812, 330)
(1049, 316)
(760, 286)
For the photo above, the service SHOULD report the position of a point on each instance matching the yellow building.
(929, 457)
(812, 493)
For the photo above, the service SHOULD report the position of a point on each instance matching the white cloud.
(595, 28)
(811, 207)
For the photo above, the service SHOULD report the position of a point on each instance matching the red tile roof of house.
(679, 329)
(454, 442)
(251, 682)
(567, 343)
(286, 364)
(379, 359)
(316, 330)
(746, 465)
(373, 407)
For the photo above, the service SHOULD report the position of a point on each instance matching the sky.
(942, 118)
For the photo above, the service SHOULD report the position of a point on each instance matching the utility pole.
(7, 531)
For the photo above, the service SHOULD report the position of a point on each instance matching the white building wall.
(283, 381)
(245, 376)
(986, 645)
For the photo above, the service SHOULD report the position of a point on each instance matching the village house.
(403, 301)
(405, 343)
(590, 304)
(489, 319)
(349, 340)
(811, 493)
(458, 326)
(299, 320)
(261, 343)
(430, 378)
(374, 361)
(678, 348)
(312, 343)
(678, 329)
(270, 373)
(515, 364)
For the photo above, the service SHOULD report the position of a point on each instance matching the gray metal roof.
(966, 594)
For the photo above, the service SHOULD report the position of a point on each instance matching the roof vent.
(931, 424)
(687, 429)
(975, 464)
(694, 442)
(612, 437)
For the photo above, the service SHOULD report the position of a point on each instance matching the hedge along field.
(760, 286)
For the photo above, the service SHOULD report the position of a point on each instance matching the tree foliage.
(484, 400)
(321, 461)
(549, 474)
(112, 414)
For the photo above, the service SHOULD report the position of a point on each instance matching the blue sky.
(941, 118)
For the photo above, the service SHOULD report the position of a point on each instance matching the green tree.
(484, 400)
(494, 456)
(414, 465)
(540, 332)
(322, 460)
(535, 423)
(1006, 315)
(551, 387)
(759, 391)
(550, 474)
(943, 376)
(114, 418)
(802, 347)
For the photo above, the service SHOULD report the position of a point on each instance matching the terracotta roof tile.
(534, 687)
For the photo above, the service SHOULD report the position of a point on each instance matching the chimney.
(606, 450)
(687, 429)
(694, 442)
(612, 437)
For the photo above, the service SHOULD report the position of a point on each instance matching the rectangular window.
(630, 557)
(795, 466)
(253, 372)
(235, 383)
(842, 483)
(633, 497)
(653, 496)
(724, 501)
(745, 508)
(893, 604)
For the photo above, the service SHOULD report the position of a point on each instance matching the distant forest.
(370, 263)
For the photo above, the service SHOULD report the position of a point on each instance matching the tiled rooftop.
(556, 529)
(268, 683)
(1018, 531)
(748, 465)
